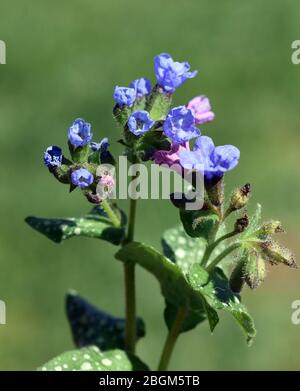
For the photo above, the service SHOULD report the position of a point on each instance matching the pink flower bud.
(201, 109)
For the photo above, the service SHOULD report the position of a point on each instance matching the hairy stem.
(223, 254)
(130, 303)
(110, 213)
(129, 279)
(171, 339)
(210, 248)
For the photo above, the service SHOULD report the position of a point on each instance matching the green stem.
(171, 339)
(129, 279)
(210, 248)
(130, 300)
(223, 254)
(110, 213)
(131, 223)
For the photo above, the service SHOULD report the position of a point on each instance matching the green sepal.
(139, 104)
(121, 114)
(150, 142)
(158, 104)
(79, 154)
(199, 223)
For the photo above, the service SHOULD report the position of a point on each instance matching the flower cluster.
(86, 156)
(153, 130)
(179, 125)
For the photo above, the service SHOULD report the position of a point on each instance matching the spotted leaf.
(92, 359)
(91, 326)
(94, 225)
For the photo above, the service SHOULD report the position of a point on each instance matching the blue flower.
(124, 96)
(53, 156)
(171, 74)
(101, 147)
(140, 122)
(82, 178)
(215, 160)
(142, 87)
(179, 125)
(80, 133)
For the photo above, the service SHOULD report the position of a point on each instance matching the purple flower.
(216, 160)
(172, 156)
(82, 178)
(80, 133)
(101, 147)
(53, 156)
(201, 109)
(171, 74)
(140, 122)
(141, 86)
(179, 125)
(124, 96)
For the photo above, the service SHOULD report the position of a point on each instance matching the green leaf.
(79, 154)
(184, 251)
(215, 288)
(175, 287)
(199, 223)
(181, 248)
(94, 225)
(92, 359)
(91, 326)
(192, 319)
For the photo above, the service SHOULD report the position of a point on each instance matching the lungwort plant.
(205, 262)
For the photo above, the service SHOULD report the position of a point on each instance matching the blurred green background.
(63, 61)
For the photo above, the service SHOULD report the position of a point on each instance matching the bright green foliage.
(200, 291)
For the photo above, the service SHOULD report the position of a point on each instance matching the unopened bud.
(275, 254)
(241, 224)
(254, 270)
(270, 228)
(61, 173)
(215, 190)
(92, 197)
(237, 280)
(240, 197)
